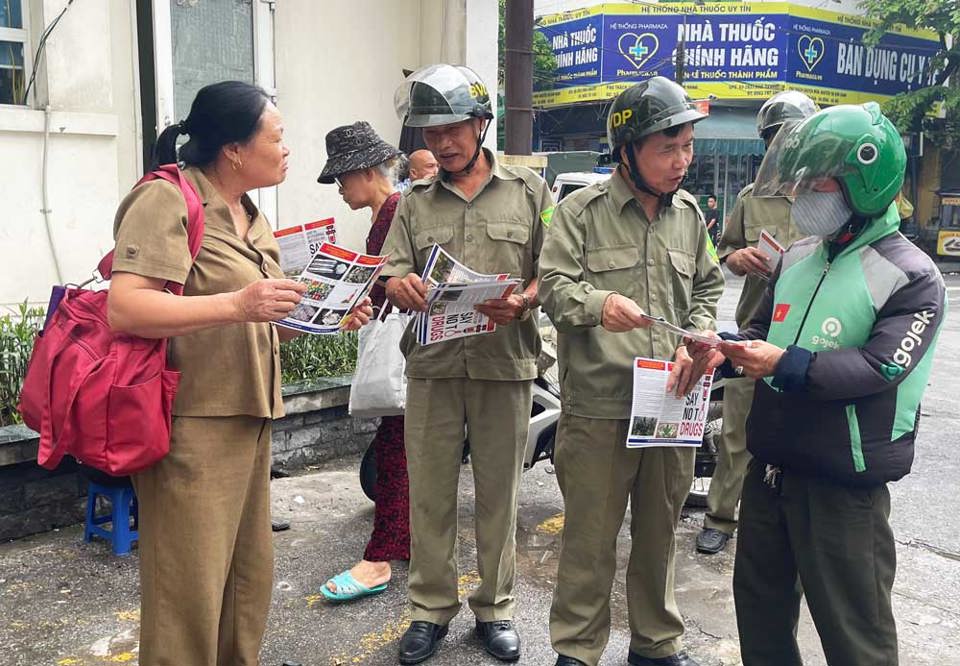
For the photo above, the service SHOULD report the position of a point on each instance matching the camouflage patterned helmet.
(646, 108)
(441, 95)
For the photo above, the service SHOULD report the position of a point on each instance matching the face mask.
(820, 213)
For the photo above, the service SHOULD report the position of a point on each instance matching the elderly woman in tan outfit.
(206, 556)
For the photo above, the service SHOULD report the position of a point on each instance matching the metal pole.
(518, 75)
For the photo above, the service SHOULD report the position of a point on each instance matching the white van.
(566, 183)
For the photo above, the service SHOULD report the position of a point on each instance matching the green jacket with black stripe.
(859, 323)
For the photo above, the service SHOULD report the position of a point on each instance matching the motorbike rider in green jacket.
(841, 347)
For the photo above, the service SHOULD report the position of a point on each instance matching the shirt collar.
(622, 194)
(497, 170)
(215, 208)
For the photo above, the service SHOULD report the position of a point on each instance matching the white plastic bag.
(379, 383)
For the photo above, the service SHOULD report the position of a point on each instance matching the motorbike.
(545, 414)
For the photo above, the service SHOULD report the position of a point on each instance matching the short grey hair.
(388, 169)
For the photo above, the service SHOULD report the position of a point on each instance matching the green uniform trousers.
(597, 475)
(206, 550)
(831, 542)
(732, 457)
(496, 415)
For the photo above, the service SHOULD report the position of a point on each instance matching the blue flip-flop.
(348, 588)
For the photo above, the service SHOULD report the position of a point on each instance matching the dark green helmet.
(786, 106)
(856, 145)
(646, 108)
(441, 95)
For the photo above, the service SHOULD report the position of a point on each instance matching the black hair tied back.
(221, 113)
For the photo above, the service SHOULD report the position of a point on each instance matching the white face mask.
(820, 213)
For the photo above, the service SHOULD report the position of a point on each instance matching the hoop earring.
(237, 165)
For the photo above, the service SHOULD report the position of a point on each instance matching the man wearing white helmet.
(491, 217)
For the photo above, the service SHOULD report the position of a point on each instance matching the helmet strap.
(473, 160)
(663, 198)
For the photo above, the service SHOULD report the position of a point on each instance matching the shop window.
(13, 52)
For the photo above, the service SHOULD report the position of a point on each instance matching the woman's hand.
(268, 299)
(359, 316)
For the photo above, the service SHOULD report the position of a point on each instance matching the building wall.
(88, 84)
(334, 76)
(336, 61)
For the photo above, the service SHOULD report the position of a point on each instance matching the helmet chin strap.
(663, 198)
(473, 160)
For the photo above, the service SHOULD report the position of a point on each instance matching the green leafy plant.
(17, 332)
(313, 356)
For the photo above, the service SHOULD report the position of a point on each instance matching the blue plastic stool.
(123, 507)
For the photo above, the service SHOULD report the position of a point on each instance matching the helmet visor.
(438, 95)
(792, 166)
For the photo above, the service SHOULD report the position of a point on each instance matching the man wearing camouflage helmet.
(616, 250)
(491, 217)
(738, 250)
(842, 344)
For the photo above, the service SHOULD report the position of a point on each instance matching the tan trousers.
(597, 475)
(206, 551)
(732, 457)
(496, 415)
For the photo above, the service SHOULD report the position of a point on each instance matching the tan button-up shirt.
(600, 242)
(499, 230)
(749, 217)
(228, 370)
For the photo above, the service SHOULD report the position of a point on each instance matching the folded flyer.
(299, 244)
(658, 418)
(673, 328)
(453, 290)
(451, 313)
(337, 279)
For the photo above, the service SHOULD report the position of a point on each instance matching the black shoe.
(711, 541)
(419, 642)
(679, 659)
(500, 639)
(564, 660)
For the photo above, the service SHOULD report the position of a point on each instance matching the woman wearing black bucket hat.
(363, 166)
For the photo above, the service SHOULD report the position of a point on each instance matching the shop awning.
(728, 131)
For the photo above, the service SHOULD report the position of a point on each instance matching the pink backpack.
(102, 397)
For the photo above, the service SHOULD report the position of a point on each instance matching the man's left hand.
(502, 310)
(752, 358)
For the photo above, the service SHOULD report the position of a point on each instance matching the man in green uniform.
(738, 250)
(616, 250)
(491, 217)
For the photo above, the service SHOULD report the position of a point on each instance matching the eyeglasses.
(337, 181)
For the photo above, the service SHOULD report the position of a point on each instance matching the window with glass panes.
(13, 44)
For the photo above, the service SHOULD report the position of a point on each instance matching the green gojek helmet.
(442, 95)
(856, 145)
(646, 108)
(788, 106)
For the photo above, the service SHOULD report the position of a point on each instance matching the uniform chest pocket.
(613, 267)
(681, 280)
(751, 231)
(427, 238)
(507, 240)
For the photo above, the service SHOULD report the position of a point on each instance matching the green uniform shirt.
(600, 242)
(227, 370)
(499, 230)
(751, 215)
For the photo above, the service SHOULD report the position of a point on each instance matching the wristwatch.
(524, 308)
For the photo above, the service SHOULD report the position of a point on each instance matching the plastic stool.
(123, 507)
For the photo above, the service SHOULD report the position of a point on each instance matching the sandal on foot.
(349, 588)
